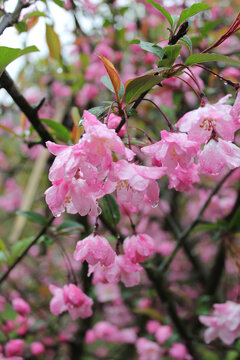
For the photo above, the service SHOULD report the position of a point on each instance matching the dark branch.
(9, 19)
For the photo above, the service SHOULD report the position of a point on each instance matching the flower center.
(208, 124)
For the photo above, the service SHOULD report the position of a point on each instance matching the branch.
(19, 259)
(31, 112)
(9, 19)
(181, 238)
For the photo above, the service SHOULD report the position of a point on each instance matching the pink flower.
(223, 323)
(200, 123)
(94, 249)
(14, 347)
(135, 182)
(178, 351)
(163, 333)
(70, 298)
(60, 90)
(183, 179)
(152, 326)
(122, 269)
(148, 350)
(218, 154)
(174, 149)
(37, 348)
(86, 94)
(21, 306)
(138, 247)
(2, 303)
(107, 292)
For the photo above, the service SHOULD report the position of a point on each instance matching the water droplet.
(58, 215)
(99, 210)
(154, 205)
(225, 83)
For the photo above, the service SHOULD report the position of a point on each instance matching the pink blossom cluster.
(109, 267)
(223, 323)
(70, 298)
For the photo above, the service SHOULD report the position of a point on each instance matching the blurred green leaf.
(8, 313)
(33, 217)
(7, 55)
(70, 225)
(19, 247)
(60, 130)
(53, 42)
(35, 14)
(21, 26)
(59, 3)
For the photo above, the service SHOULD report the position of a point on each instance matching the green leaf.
(193, 10)
(21, 26)
(3, 258)
(97, 110)
(33, 217)
(35, 14)
(60, 130)
(187, 41)
(205, 227)
(19, 247)
(136, 87)
(7, 55)
(110, 209)
(172, 51)
(3, 246)
(70, 225)
(105, 80)
(201, 58)
(147, 46)
(59, 3)
(53, 43)
(163, 11)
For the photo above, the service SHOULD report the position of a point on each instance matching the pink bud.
(14, 347)
(37, 348)
(163, 333)
(21, 306)
(178, 351)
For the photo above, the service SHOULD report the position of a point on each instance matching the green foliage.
(110, 209)
(8, 55)
(18, 248)
(201, 58)
(33, 217)
(60, 131)
(106, 81)
(193, 10)
(187, 41)
(53, 43)
(136, 87)
(70, 226)
(147, 46)
(172, 52)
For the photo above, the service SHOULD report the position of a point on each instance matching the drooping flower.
(218, 154)
(174, 149)
(70, 298)
(94, 249)
(134, 182)
(200, 123)
(138, 247)
(223, 323)
(14, 347)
